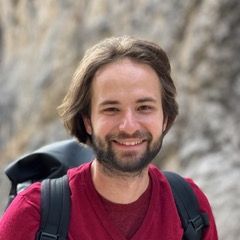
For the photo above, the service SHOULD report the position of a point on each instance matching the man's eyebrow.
(115, 102)
(109, 102)
(146, 99)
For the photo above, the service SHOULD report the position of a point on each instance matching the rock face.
(41, 43)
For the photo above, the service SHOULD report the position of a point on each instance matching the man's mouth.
(129, 142)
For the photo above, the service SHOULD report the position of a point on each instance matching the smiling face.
(126, 120)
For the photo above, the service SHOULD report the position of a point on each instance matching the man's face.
(126, 121)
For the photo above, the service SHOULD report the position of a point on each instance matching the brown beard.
(109, 159)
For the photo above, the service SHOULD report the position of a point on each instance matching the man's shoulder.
(201, 196)
(159, 175)
(31, 193)
(79, 173)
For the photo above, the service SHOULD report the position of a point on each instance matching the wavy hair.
(77, 102)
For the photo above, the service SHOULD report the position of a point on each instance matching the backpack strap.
(55, 196)
(55, 209)
(193, 220)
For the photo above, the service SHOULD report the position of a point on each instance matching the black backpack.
(50, 164)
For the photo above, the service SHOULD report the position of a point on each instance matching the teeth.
(131, 143)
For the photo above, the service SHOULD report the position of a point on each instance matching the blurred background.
(41, 43)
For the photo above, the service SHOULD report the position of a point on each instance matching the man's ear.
(87, 124)
(165, 122)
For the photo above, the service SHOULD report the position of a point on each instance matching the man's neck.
(119, 188)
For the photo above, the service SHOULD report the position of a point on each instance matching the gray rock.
(41, 43)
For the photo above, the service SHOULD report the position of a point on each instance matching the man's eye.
(111, 110)
(145, 108)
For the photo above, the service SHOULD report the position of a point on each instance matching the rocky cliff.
(41, 43)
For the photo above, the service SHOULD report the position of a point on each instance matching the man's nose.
(129, 122)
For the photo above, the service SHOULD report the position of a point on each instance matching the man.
(122, 102)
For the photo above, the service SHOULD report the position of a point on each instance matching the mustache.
(123, 135)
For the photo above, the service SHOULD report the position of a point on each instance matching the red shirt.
(128, 217)
(89, 218)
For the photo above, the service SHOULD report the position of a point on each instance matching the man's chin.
(129, 164)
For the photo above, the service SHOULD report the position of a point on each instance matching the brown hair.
(77, 101)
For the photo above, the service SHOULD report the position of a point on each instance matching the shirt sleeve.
(210, 232)
(21, 219)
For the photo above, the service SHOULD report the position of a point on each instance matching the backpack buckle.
(197, 223)
(47, 236)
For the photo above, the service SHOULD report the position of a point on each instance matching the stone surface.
(41, 43)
